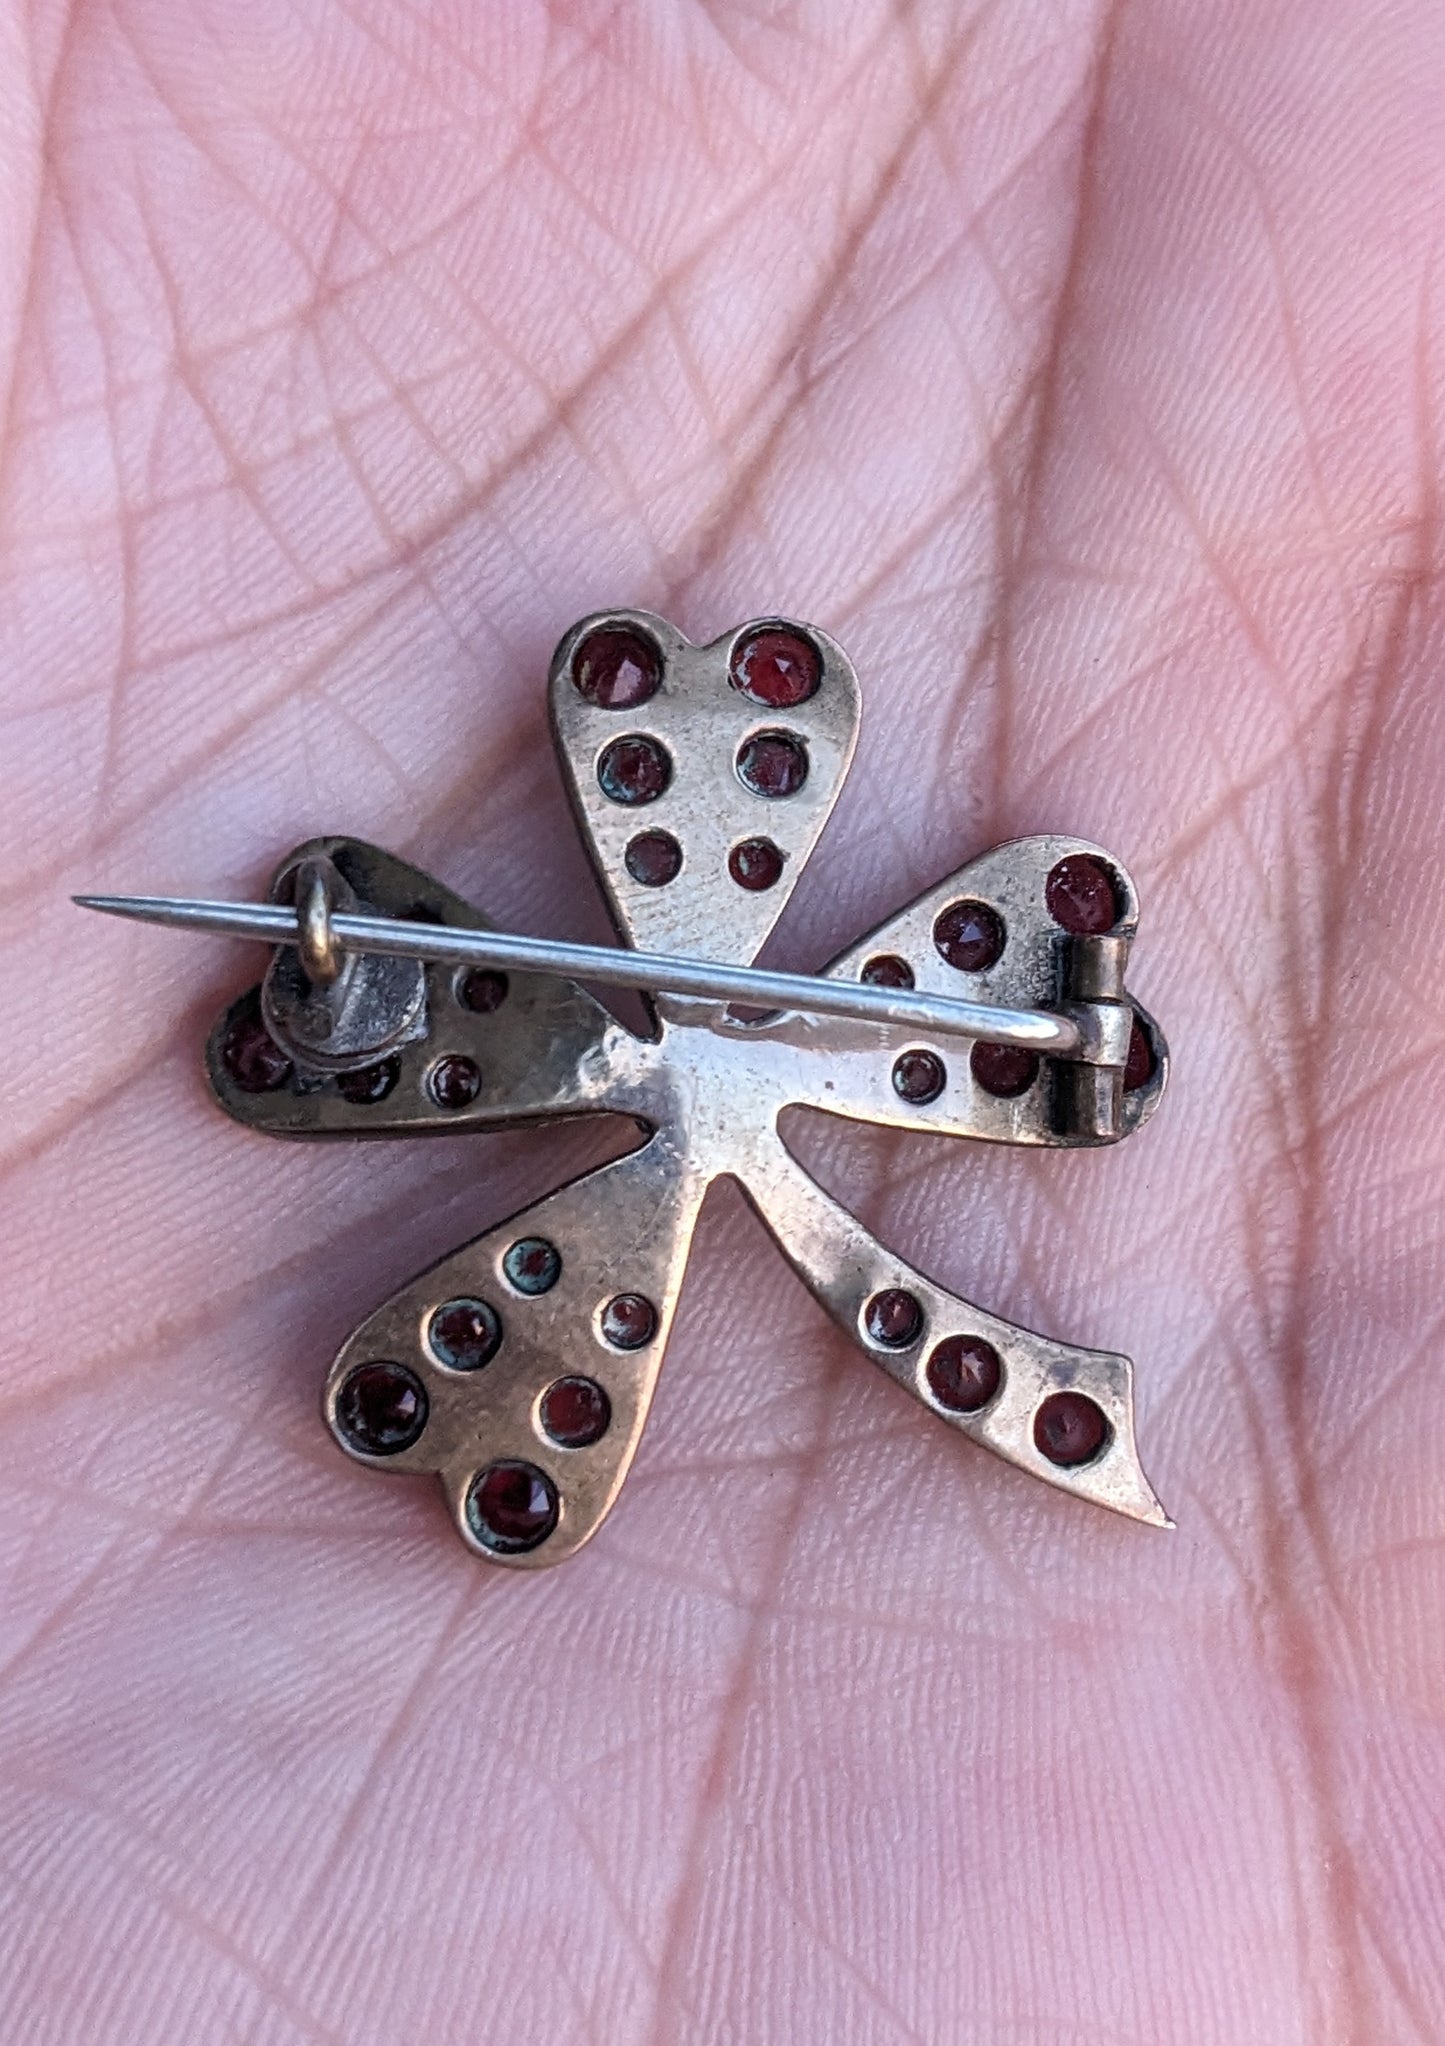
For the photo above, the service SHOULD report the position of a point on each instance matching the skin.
(1078, 365)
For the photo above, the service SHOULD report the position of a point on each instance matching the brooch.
(520, 1369)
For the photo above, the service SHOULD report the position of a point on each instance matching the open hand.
(1077, 363)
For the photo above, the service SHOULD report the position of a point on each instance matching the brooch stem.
(1037, 1030)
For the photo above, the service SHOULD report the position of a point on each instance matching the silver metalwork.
(502, 1048)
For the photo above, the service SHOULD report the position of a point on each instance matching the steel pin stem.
(660, 972)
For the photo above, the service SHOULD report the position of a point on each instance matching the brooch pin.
(521, 1368)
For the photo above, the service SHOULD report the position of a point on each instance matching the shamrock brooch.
(520, 1369)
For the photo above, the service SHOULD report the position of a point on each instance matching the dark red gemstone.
(887, 970)
(455, 1081)
(465, 1334)
(894, 1318)
(616, 667)
(654, 858)
(575, 1412)
(371, 1083)
(634, 770)
(381, 1408)
(481, 990)
(511, 1507)
(918, 1076)
(964, 1373)
(776, 667)
(532, 1265)
(629, 1321)
(756, 864)
(1082, 897)
(772, 764)
(250, 1054)
(1004, 1069)
(1139, 1066)
(1069, 1429)
(970, 935)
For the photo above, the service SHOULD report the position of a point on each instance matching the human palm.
(1078, 366)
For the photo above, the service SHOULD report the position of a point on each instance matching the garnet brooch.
(520, 1369)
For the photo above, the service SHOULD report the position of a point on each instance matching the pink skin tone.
(1080, 367)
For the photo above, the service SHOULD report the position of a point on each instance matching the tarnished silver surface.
(1040, 966)
(541, 1054)
(711, 1090)
(701, 722)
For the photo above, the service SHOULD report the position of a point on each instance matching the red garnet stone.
(772, 764)
(969, 935)
(1139, 1066)
(511, 1507)
(629, 1321)
(381, 1408)
(455, 1082)
(776, 667)
(532, 1265)
(465, 1334)
(1069, 1429)
(894, 1318)
(575, 1412)
(654, 858)
(756, 864)
(918, 1076)
(371, 1083)
(1081, 896)
(250, 1054)
(482, 990)
(634, 770)
(1003, 1069)
(964, 1373)
(617, 668)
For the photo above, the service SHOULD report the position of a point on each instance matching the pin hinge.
(1088, 1090)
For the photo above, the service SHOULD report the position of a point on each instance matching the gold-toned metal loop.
(322, 957)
